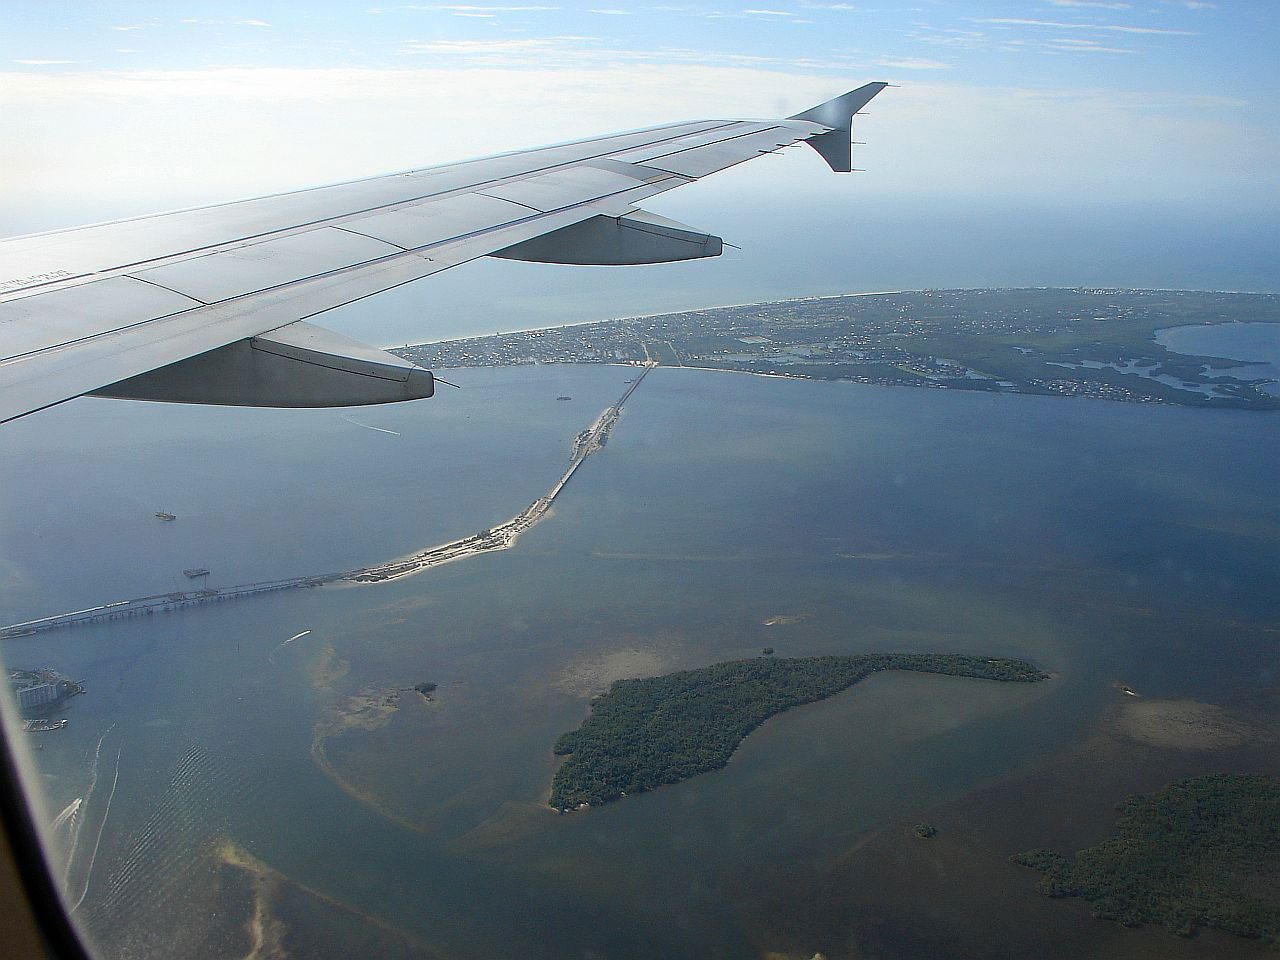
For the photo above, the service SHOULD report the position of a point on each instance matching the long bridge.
(501, 537)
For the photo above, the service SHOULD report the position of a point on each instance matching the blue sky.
(1093, 131)
(1185, 45)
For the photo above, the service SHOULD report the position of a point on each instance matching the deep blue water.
(1108, 542)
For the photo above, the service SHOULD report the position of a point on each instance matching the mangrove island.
(644, 733)
(1200, 853)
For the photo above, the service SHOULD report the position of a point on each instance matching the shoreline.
(813, 297)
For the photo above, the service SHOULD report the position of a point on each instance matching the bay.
(1107, 542)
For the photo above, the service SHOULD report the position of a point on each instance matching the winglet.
(838, 113)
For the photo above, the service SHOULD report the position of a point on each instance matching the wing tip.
(838, 113)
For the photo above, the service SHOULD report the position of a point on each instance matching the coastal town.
(1086, 342)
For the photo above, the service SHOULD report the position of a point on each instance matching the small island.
(1200, 853)
(658, 730)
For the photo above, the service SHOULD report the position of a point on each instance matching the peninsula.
(644, 733)
(1083, 342)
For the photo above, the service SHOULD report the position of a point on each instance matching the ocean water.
(1107, 542)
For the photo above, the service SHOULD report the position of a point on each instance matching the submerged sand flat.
(594, 675)
(1183, 724)
(292, 919)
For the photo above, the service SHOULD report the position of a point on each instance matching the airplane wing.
(215, 304)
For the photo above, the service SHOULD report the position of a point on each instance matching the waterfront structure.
(33, 689)
(36, 695)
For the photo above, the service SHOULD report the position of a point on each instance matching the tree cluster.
(649, 732)
(1193, 855)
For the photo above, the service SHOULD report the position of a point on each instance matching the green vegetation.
(1200, 853)
(925, 831)
(644, 733)
(1054, 342)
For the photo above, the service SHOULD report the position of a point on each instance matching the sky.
(1120, 142)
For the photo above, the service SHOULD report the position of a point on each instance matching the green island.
(1203, 852)
(644, 733)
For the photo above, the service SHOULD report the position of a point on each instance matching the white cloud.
(1089, 48)
(478, 9)
(1108, 27)
(515, 45)
(237, 22)
(947, 36)
(611, 12)
(1103, 4)
(914, 63)
(43, 63)
(754, 13)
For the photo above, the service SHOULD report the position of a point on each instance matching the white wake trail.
(97, 843)
(296, 636)
(369, 426)
(74, 830)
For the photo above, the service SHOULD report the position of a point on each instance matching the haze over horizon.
(1029, 143)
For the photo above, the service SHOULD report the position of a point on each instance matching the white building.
(37, 695)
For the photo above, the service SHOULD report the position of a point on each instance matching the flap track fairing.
(299, 365)
(636, 237)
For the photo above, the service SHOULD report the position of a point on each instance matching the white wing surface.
(215, 304)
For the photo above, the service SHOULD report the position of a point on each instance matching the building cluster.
(37, 688)
(981, 339)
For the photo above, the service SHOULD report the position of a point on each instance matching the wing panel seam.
(409, 201)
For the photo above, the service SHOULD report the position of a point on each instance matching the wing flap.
(639, 237)
(300, 365)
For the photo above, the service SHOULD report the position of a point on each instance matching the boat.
(196, 572)
(162, 515)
